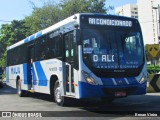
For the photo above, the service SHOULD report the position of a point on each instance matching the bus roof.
(62, 24)
(45, 31)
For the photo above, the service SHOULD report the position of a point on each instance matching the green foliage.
(10, 34)
(53, 12)
(150, 69)
(43, 17)
(71, 7)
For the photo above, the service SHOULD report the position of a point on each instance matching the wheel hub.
(58, 95)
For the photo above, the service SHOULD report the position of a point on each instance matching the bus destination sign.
(110, 22)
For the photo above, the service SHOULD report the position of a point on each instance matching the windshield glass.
(109, 49)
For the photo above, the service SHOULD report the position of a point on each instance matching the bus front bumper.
(92, 91)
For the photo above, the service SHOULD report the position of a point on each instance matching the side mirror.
(77, 37)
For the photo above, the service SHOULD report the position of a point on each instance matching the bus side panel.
(39, 77)
(13, 72)
(7, 76)
(76, 78)
(43, 71)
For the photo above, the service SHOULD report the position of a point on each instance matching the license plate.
(120, 94)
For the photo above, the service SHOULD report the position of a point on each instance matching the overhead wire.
(5, 21)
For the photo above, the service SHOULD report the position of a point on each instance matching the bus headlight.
(88, 78)
(143, 79)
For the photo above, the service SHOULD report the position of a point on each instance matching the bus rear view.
(113, 58)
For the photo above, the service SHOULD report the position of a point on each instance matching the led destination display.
(110, 22)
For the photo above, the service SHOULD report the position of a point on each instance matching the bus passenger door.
(69, 64)
(30, 72)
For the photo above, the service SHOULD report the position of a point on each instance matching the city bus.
(83, 56)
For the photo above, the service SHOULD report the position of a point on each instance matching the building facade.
(128, 10)
(148, 14)
(149, 20)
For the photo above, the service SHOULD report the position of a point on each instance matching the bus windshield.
(110, 49)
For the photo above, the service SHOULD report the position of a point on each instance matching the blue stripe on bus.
(122, 81)
(32, 37)
(25, 68)
(38, 34)
(41, 75)
(107, 81)
(132, 80)
(119, 81)
(26, 40)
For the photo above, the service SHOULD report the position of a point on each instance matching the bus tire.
(20, 92)
(107, 100)
(59, 99)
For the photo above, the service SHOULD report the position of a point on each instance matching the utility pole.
(158, 29)
(158, 21)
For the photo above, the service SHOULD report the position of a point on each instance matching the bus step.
(32, 91)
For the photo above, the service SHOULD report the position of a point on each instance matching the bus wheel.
(107, 100)
(20, 92)
(59, 99)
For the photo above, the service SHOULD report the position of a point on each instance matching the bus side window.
(40, 49)
(58, 47)
(36, 50)
(54, 47)
(66, 45)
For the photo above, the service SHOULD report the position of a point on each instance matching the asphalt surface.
(132, 107)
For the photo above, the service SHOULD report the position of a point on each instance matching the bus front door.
(69, 63)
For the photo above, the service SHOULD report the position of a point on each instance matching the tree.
(10, 34)
(43, 17)
(71, 7)
(53, 12)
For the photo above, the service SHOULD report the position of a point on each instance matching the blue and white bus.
(84, 56)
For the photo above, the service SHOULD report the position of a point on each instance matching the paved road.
(120, 109)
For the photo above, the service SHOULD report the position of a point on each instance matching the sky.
(18, 9)
(117, 3)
